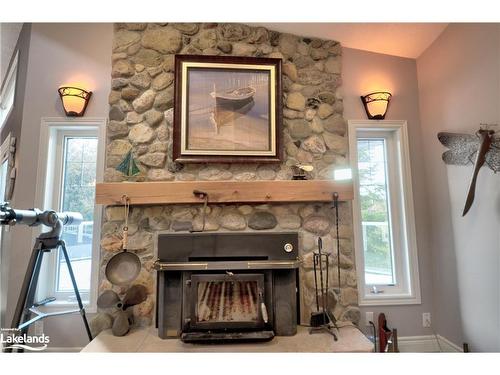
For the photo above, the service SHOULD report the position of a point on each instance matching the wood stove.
(222, 287)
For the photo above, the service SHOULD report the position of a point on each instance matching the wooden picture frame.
(227, 109)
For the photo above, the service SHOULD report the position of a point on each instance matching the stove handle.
(263, 308)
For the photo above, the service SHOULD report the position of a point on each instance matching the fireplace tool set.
(322, 320)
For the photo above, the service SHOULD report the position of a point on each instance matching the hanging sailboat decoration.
(128, 166)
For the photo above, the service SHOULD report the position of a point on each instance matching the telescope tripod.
(26, 305)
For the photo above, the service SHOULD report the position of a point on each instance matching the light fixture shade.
(376, 104)
(74, 100)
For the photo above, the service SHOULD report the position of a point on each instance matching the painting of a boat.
(235, 97)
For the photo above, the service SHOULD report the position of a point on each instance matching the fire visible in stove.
(228, 301)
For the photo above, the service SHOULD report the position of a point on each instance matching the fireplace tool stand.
(321, 319)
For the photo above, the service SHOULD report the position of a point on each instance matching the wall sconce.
(376, 104)
(74, 100)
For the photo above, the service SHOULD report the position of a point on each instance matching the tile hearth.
(146, 340)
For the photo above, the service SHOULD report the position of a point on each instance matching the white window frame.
(8, 90)
(4, 158)
(402, 213)
(48, 185)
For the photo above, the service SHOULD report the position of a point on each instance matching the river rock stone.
(165, 99)
(160, 175)
(147, 57)
(289, 221)
(164, 40)
(153, 117)
(117, 129)
(325, 110)
(234, 32)
(141, 133)
(133, 118)
(118, 83)
(187, 28)
(243, 49)
(335, 124)
(130, 93)
(116, 114)
(162, 81)
(141, 80)
(299, 129)
(317, 125)
(333, 65)
(122, 68)
(123, 39)
(214, 174)
(316, 224)
(144, 102)
(296, 101)
(118, 147)
(140, 241)
(319, 53)
(314, 144)
(266, 173)
(233, 221)
(153, 159)
(262, 220)
(291, 71)
(288, 44)
(336, 143)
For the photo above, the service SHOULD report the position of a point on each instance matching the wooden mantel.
(149, 193)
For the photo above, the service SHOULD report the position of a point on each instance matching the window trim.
(411, 294)
(9, 81)
(45, 189)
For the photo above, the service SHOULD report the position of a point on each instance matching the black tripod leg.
(75, 287)
(27, 293)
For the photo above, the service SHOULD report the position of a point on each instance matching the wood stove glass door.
(229, 301)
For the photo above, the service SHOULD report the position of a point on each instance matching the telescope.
(45, 242)
(35, 217)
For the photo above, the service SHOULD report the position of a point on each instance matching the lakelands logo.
(11, 338)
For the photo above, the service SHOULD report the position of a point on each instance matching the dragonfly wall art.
(477, 149)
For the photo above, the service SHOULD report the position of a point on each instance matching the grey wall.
(59, 54)
(459, 84)
(364, 72)
(9, 33)
(13, 123)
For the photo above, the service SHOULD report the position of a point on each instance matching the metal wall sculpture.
(477, 149)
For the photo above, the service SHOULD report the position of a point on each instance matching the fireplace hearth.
(223, 287)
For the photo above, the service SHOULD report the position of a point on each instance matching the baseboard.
(427, 344)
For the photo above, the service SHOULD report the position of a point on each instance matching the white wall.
(59, 54)
(459, 88)
(364, 72)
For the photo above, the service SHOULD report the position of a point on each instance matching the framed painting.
(227, 109)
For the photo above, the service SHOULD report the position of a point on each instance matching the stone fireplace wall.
(314, 132)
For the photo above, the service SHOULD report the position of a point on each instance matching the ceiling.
(398, 39)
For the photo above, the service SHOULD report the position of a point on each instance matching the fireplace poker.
(320, 319)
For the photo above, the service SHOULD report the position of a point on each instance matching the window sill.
(66, 305)
(388, 300)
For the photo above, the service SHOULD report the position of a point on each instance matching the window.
(8, 91)
(70, 164)
(386, 251)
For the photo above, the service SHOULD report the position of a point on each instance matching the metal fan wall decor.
(477, 149)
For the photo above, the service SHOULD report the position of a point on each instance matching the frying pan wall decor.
(124, 267)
